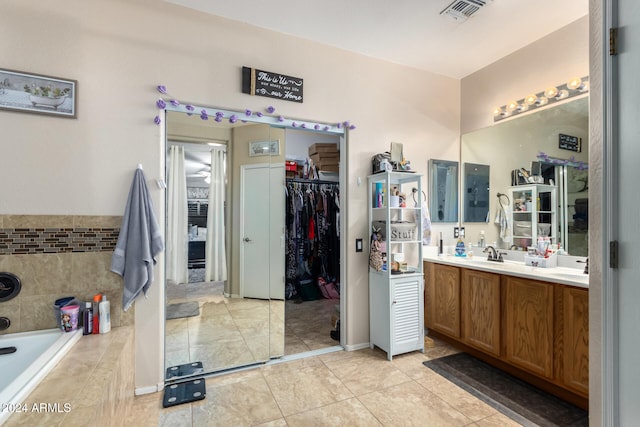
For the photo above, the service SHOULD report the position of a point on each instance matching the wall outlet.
(458, 232)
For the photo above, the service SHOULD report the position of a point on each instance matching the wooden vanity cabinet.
(480, 310)
(443, 293)
(536, 330)
(528, 324)
(574, 339)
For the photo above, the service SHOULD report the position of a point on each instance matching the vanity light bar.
(276, 121)
(574, 87)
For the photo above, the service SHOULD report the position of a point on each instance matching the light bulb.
(551, 92)
(542, 101)
(512, 106)
(563, 94)
(531, 99)
(523, 107)
(497, 111)
(574, 83)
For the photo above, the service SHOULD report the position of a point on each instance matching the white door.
(626, 208)
(262, 231)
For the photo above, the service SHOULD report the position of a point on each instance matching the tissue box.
(539, 261)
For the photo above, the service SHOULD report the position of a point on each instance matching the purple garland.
(162, 104)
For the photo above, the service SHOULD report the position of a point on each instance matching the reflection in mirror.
(443, 191)
(476, 193)
(232, 210)
(532, 141)
(213, 317)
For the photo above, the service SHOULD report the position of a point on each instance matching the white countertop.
(562, 275)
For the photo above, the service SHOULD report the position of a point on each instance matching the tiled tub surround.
(57, 256)
(92, 384)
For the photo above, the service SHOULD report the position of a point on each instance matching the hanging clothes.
(312, 237)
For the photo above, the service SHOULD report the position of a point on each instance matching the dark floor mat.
(183, 309)
(514, 398)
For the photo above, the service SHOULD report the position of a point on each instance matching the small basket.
(540, 261)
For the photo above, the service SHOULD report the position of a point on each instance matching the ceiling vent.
(461, 10)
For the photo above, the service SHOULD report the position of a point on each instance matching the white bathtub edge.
(39, 369)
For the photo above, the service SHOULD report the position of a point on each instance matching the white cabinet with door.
(396, 282)
(534, 214)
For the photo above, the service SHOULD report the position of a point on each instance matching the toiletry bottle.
(481, 239)
(96, 314)
(460, 249)
(87, 319)
(105, 315)
(440, 246)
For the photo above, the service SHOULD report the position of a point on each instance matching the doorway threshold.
(304, 355)
(287, 358)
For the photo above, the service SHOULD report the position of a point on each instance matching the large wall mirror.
(532, 141)
(228, 243)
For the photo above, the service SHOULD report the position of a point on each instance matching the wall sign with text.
(568, 142)
(271, 85)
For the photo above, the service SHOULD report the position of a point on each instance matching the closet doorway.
(313, 289)
(235, 324)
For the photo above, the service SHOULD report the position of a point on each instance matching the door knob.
(246, 239)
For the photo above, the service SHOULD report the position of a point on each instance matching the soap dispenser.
(481, 242)
(460, 249)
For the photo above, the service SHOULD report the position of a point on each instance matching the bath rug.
(183, 309)
(511, 396)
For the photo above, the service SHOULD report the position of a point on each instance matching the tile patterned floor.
(359, 388)
(239, 324)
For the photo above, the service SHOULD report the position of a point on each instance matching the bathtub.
(37, 354)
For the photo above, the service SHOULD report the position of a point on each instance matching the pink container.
(69, 317)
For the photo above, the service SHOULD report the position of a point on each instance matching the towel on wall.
(503, 219)
(426, 225)
(139, 242)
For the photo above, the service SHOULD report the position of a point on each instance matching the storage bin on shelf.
(325, 156)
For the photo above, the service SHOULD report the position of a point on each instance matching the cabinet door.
(480, 310)
(528, 325)
(444, 299)
(406, 314)
(576, 339)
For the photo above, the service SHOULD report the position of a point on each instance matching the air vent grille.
(461, 10)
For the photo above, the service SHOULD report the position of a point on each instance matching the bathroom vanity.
(530, 322)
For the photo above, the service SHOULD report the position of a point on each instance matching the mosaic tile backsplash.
(57, 256)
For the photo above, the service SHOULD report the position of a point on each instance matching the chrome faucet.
(586, 265)
(493, 254)
(4, 323)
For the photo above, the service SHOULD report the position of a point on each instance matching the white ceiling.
(407, 32)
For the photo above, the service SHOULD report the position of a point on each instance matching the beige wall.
(550, 61)
(120, 50)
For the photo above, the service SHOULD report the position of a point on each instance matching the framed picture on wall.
(35, 93)
(264, 148)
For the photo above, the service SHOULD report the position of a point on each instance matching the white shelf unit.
(534, 212)
(396, 299)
